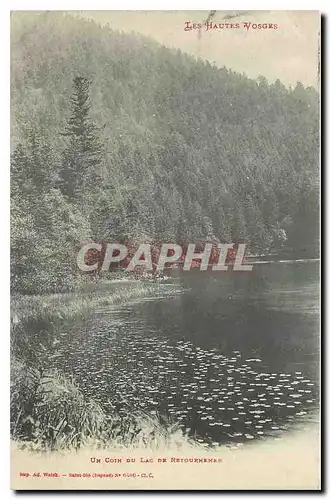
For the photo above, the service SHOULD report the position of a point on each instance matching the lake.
(232, 356)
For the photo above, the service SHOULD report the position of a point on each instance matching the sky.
(289, 53)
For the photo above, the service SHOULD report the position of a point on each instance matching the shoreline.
(64, 306)
(32, 316)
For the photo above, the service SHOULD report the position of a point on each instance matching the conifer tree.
(84, 152)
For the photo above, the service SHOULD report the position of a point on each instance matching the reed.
(49, 412)
(63, 306)
(48, 409)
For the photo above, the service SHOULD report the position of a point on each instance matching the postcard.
(165, 250)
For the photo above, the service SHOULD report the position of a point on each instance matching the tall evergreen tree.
(84, 152)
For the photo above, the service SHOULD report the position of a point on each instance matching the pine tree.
(84, 152)
(33, 167)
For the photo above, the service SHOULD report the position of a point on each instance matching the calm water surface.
(233, 356)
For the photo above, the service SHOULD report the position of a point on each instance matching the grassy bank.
(48, 409)
(66, 306)
(49, 412)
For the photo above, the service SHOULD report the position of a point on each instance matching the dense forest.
(115, 136)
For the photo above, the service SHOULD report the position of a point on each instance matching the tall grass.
(49, 412)
(48, 409)
(59, 307)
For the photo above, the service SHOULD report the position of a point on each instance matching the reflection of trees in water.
(241, 311)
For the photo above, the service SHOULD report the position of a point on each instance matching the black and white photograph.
(165, 250)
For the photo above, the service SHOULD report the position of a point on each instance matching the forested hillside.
(158, 145)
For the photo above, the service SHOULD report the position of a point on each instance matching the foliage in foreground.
(48, 409)
(49, 412)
